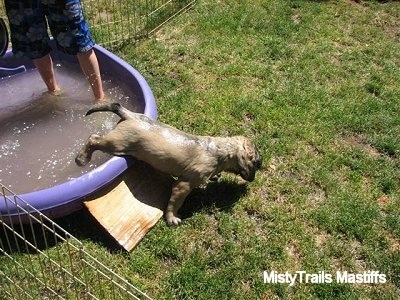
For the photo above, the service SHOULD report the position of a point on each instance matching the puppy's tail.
(116, 108)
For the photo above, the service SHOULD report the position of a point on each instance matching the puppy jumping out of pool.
(191, 159)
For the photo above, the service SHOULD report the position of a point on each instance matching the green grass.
(316, 85)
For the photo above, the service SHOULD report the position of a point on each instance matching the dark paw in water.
(81, 160)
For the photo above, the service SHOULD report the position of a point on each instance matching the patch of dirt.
(357, 141)
(294, 252)
(317, 197)
(320, 239)
(389, 24)
(394, 243)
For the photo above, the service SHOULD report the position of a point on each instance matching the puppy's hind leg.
(92, 144)
(180, 191)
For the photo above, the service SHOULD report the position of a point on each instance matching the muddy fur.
(191, 159)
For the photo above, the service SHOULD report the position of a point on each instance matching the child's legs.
(72, 35)
(46, 71)
(91, 69)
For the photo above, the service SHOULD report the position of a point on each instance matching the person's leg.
(71, 32)
(90, 67)
(45, 67)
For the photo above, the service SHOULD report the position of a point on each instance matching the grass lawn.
(316, 85)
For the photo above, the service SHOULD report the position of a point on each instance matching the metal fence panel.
(41, 260)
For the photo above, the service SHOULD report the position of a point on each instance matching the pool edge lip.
(67, 197)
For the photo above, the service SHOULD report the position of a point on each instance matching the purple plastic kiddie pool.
(67, 197)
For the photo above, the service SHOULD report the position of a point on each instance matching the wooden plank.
(132, 204)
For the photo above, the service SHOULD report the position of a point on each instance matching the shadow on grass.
(221, 195)
(83, 226)
(26, 238)
(32, 238)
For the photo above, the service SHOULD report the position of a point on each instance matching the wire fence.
(41, 260)
(115, 23)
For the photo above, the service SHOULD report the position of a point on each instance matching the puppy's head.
(249, 159)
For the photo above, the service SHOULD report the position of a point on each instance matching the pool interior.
(41, 133)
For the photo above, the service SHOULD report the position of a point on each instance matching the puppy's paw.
(172, 220)
(215, 177)
(81, 160)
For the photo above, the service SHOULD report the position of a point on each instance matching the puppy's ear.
(245, 172)
(249, 160)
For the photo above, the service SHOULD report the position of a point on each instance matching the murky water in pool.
(40, 134)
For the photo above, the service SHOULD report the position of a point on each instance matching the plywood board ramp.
(132, 204)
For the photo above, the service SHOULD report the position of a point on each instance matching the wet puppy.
(191, 159)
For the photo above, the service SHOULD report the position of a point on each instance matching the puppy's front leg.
(180, 191)
(85, 154)
(93, 143)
